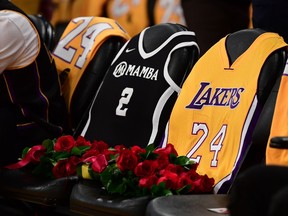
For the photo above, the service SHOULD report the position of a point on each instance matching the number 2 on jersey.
(124, 100)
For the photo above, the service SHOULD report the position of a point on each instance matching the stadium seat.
(253, 150)
(133, 105)
(82, 56)
(44, 195)
(45, 29)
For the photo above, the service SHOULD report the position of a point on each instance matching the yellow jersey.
(212, 117)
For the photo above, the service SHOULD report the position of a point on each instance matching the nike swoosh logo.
(129, 50)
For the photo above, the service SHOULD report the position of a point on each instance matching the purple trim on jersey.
(246, 145)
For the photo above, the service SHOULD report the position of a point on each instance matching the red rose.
(185, 180)
(89, 153)
(108, 153)
(170, 179)
(173, 168)
(65, 167)
(64, 143)
(99, 163)
(126, 160)
(203, 184)
(148, 182)
(138, 150)
(192, 174)
(35, 153)
(119, 148)
(81, 141)
(163, 160)
(99, 145)
(145, 168)
(168, 149)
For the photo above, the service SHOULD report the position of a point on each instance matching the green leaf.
(48, 144)
(118, 186)
(93, 174)
(44, 168)
(106, 176)
(173, 158)
(182, 160)
(159, 190)
(149, 153)
(183, 190)
(24, 152)
(79, 150)
(61, 155)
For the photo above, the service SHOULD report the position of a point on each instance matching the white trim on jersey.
(157, 113)
(166, 72)
(146, 55)
(243, 136)
(286, 69)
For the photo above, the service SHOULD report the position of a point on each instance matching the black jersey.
(134, 102)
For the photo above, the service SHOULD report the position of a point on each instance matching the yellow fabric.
(213, 121)
(62, 12)
(28, 6)
(87, 8)
(70, 42)
(132, 15)
(279, 125)
(67, 10)
(169, 12)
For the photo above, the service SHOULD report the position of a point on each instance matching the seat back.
(135, 99)
(45, 30)
(82, 56)
(218, 108)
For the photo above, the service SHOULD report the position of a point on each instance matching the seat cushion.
(35, 189)
(196, 205)
(88, 198)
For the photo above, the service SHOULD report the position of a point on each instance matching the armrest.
(279, 142)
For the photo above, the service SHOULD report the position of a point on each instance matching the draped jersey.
(34, 92)
(217, 109)
(279, 127)
(135, 15)
(132, 105)
(78, 45)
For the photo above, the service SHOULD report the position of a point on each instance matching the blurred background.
(209, 19)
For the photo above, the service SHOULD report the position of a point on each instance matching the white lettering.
(124, 69)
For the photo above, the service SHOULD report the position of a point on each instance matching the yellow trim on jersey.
(209, 115)
(75, 72)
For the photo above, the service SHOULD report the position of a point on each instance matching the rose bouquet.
(132, 171)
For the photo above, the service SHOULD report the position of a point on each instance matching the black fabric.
(271, 16)
(9, 148)
(45, 29)
(211, 20)
(33, 94)
(259, 190)
(135, 128)
(92, 78)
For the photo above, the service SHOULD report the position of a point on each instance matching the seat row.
(154, 89)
